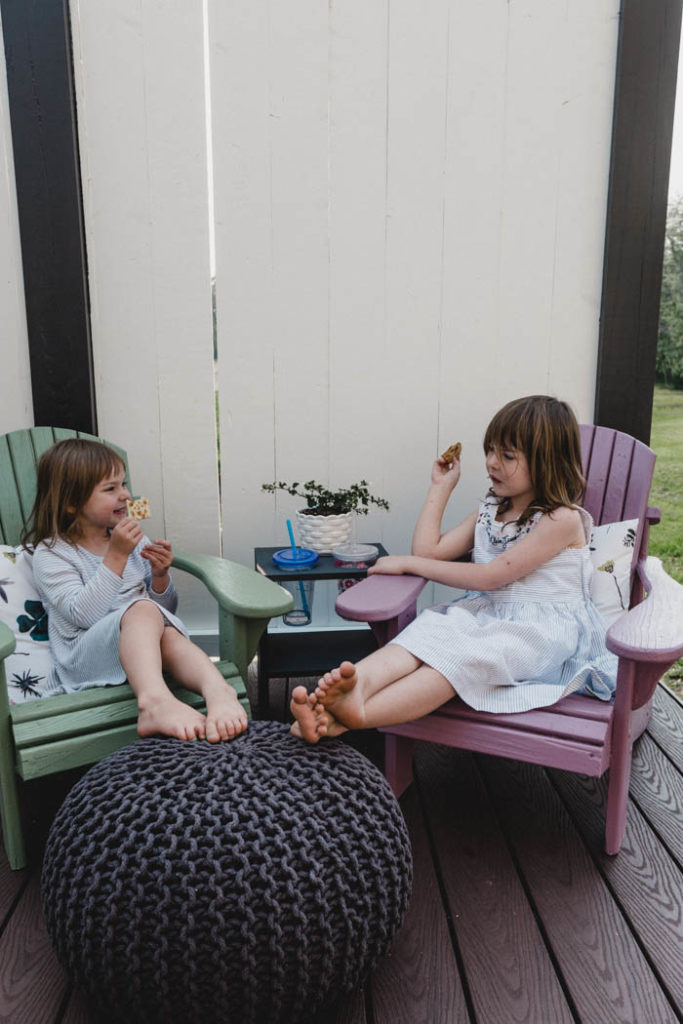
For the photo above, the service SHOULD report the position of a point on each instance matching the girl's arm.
(61, 585)
(428, 541)
(554, 532)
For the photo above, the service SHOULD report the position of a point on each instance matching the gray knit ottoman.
(251, 881)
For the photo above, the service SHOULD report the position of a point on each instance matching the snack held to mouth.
(452, 453)
(138, 508)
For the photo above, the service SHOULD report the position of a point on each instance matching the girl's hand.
(125, 537)
(444, 474)
(390, 565)
(159, 554)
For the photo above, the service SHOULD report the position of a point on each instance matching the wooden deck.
(516, 916)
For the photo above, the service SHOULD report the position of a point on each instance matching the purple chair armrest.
(653, 515)
(379, 598)
(653, 630)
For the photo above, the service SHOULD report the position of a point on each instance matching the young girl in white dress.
(526, 633)
(110, 599)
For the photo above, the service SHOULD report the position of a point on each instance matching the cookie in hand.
(452, 453)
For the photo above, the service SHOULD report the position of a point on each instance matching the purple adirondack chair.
(581, 734)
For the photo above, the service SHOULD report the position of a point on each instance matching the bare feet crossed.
(340, 695)
(311, 720)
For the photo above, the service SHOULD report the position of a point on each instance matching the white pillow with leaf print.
(611, 548)
(22, 610)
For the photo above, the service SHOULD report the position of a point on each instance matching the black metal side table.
(307, 652)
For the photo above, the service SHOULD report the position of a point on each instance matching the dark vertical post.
(636, 215)
(45, 143)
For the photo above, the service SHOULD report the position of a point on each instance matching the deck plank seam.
(4, 924)
(662, 750)
(450, 918)
(545, 937)
(661, 837)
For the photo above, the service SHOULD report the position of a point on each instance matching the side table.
(307, 652)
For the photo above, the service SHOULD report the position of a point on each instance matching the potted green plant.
(327, 519)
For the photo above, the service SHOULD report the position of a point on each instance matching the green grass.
(666, 539)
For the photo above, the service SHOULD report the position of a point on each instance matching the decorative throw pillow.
(611, 548)
(22, 610)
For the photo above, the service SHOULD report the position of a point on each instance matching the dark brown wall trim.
(45, 142)
(636, 213)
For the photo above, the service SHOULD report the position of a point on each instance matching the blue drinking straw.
(307, 611)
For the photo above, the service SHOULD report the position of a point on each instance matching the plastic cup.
(297, 560)
(302, 592)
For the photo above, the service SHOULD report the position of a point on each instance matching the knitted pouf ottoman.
(250, 881)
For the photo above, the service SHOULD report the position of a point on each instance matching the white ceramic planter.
(323, 533)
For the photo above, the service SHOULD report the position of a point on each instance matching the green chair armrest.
(237, 589)
(7, 641)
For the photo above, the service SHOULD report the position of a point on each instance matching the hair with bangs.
(68, 472)
(545, 431)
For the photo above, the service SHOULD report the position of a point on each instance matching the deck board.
(644, 880)
(602, 965)
(32, 984)
(516, 915)
(419, 980)
(508, 970)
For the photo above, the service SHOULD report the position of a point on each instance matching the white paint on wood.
(409, 216)
(140, 93)
(16, 405)
(410, 207)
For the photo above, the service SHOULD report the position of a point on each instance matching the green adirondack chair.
(51, 735)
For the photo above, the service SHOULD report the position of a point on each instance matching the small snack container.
(353, 556)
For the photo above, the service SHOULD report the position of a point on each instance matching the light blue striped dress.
(84, 601)
(527, 644)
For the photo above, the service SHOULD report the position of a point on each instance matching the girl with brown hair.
(110, 598)
(526, 632)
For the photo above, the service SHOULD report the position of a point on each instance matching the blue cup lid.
(303, 558)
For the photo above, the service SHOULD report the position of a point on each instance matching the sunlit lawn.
(666, 539)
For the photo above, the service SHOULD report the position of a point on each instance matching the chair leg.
(10, 815)
(617, 804)
(398, 762)
(620, 761)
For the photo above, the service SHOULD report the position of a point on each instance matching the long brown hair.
(68, 472)
(545, 431)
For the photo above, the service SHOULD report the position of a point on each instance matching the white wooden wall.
(140, 96)
(409, 228)
(410, 218)
(16, 407)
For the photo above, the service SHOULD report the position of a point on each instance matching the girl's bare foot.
(312, 720)
(338, 692)
(167, 715)
(225, 716)
(308, 724)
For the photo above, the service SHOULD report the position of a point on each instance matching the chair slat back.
(618, 471)
(19, 455)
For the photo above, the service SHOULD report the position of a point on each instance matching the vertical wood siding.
(409, 225)
(410, 218)
(140, 91)
(16, 407)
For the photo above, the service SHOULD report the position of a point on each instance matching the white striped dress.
(84, 601)
(527, 644)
